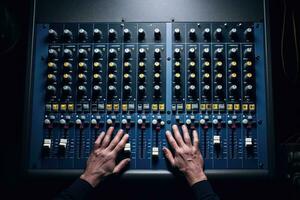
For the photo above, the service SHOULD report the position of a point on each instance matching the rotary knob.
(233, 53)
(249, 36)
(219, 91)
(67, 35)
(97, 54)
(81, 90)
(233, 35)
(82, 78)
(192, 90)
(127, 54)
(177, 89)
(206, 53)
(112, 90)
(141, 90)
(141, 34)
(177, 35)
(126, 34)
(192, 53)
(157, 54)
(206, 78)
(142, 53)
(248, 90)
(141, 78)
(206, 34)
(68, 54)
(206, 91)
(192, 34)
(156, 90)
(112, 78)
(219, 53)
(82, 53)
(157, 34)
(248, 53)
(51, 90)
(218, 34)
(177, 54)
(52, 35)
(233, 90)
(66, 90)
(112, 34)
(82, 66)
(96, 91)
(67, 78)
(112, 54)
(127, 90)
(96, 78)
(52, 54)
(126, 78)
(192, 78)
(219, 78)
(51, 78)
(82, 35)
(97, 34)
(156, 77)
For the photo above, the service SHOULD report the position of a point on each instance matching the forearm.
(80, 189)
(203, 191)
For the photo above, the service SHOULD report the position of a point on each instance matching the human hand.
(187, 157)
(102, 160)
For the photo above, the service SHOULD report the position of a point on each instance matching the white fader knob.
(248, 142)
(217, 140)
(155, 152)
(127, 148)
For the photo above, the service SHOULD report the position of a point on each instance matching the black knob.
(219, 91)
(233, 35)
(206, 66)
(249, 36)
(156, 90)
(82, 66)
(233, 65)
(177, 54)
(192, 78)
(177, 34)
(52, 54)
(233, 90)
(233, 78)
(82, 35)
(141, 78)
(192, 53)
(126, 78)
(68, 54)
(248, 90)
(177, 89)
(82, 78)
(233, 53)
(192, 90)
(111, 78)
(97, 54)
(219, 78)
(206, 34)
(192, 34)
(112, 54)
(218, 34)
(248, 78)
(81, 90)
(67, 78)
(141, 90)
(206, 91)
(142, 53)
(67, 35)
(51, 90)
(96, 91)
(127, 54)
(248, 53)
(248, 65)
(67, 66)
(112, 34)
(126, 34)
(96, 78)
(52, 35)
(157, 54)
(51, 78)
(141, 34)
(206, 53)
(112, 90)
(219, 53)
(157, 66)
(219, 66)
(127, 90)
(206, 78)
(127, 66)
(66, 90)
(156, 77)
(52, 67)
(157, 34)
(97, 34)
(82, 53)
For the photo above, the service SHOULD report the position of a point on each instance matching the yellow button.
(188, 107)
(202, 106)
(192, 64)
(156, 64)
(51, 64)
(162, 107)
(109, 107)
(126, 64)
(141, 64)
(70, 107)
(63, 107)
(177, 64)
(229, 107)
(236, 106)
(55, 107)
(248, 63)
(81, 64)
(124, 107)
(251, 107)
(116, 106)
(215, 106)
(233, 63)
(245, 107)
(154, 107)
(219, 64)
(206, 75)
(177, 75)
(206, 64)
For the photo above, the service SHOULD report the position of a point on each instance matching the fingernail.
(168, 132)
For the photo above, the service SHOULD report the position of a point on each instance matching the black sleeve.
(203, 191)
(80, 189)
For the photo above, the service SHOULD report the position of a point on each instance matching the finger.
(186, 135)
(195, 138)
(169, 155)
(121, 144)
(99, 140)
(116, 140)
(171, 140)
(177, 135)
(121, 165)
(107, 137)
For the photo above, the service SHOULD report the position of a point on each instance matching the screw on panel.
(168, 58)
(168, 112)
(168, 122)
(259, 122)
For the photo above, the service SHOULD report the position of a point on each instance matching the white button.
(124, 121)
(78, 121)
(245, 121)
(62, 121)
(154, 121)
(140, 121)
(47, 121)
(215, 121)
(202, 121)
(188, 121)
(93, 121)
(109, 121)
(229, 122)
(162, 123)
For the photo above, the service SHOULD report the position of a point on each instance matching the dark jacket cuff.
(204, 191)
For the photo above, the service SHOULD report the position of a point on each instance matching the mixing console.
(143, 77)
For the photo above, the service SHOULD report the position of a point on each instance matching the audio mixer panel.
(144, 77)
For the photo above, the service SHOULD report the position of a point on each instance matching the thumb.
(121, 165)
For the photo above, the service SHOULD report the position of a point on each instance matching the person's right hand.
(187, 157)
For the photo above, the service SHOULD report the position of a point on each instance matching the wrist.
(195, 177)
(92, 180)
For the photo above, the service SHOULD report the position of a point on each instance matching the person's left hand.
(102, 160)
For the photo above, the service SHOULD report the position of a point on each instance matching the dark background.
(14, 28)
